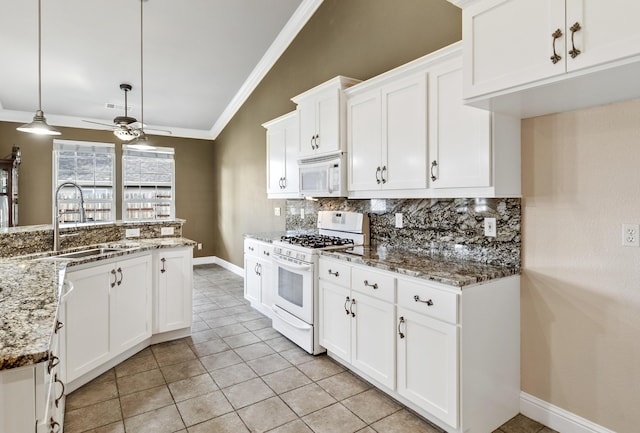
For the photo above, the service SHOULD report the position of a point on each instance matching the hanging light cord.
(39, 55)
(141, 70)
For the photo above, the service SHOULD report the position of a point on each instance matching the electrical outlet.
(132, 233)
(301, 213)
(199, 246)
(399, 221)
(490, 227)
(276, 211)
(630, 235)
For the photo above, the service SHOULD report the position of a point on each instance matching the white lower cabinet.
(173, 271)
(450, 354)
(428, 364)
(107, 310)
(258, 275)
(32, 398)
(357, 327)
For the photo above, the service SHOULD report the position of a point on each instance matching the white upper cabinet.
(410, 134)
(321, 114)
(282, 156)
(533, 57)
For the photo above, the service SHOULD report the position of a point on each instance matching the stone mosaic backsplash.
(17, 241)
(444, 227)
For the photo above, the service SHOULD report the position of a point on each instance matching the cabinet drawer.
(335, 272)
(428, 300)
(258, 248)
(265, 250)
(373, 283)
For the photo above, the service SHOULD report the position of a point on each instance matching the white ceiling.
(202, 58)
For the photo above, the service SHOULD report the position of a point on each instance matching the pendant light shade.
(39, 124)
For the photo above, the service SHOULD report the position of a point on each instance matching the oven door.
(294, 288)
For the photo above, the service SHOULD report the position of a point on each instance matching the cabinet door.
(459, 135)
(252, 280)
(509, 42)
(266, 286)
(174, 292)
(428, 364)
(373, 338)
(364, 141)
(335, 319)
(291, 138)
(86, 319)
(404, 134)
(276, 158)
(608, 31)
(328, 121)
(130, 303)
(307, 122)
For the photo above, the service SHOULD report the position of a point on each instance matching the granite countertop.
(30, 290)
(445, 270)
(275, 236)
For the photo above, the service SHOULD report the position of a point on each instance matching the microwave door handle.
(292, 266)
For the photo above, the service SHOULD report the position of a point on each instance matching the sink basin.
(88, 253)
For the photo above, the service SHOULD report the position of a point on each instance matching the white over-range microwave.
(323, 176)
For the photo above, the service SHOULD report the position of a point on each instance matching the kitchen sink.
(89, 253)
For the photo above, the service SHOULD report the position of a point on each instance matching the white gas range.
(295, 259)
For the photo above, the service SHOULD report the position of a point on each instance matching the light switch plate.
(301, 213)
(132, 233)
(276, 211)
(166, 231)
(399, 222)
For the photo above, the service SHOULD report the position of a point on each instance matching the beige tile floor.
(236, 374)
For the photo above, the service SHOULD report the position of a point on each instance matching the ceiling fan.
(126, 128)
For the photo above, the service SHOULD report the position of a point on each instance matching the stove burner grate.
(316, 241)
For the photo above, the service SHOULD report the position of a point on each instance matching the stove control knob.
(288, 253)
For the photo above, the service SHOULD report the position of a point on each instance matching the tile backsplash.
(446, 227)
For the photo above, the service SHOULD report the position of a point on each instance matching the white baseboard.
(557, 418)
(220, 262)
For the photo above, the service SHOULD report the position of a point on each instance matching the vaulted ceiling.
(202, 58)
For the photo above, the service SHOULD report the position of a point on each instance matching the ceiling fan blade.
(98, 123)
(159, 130)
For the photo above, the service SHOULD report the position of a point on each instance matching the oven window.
(290, 286)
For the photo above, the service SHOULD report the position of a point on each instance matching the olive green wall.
(356, 38)
(194, 177)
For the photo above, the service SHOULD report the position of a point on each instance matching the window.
(148, 190)
(90, 166)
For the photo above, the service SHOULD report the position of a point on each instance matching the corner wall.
(356, 38)
(580, 289)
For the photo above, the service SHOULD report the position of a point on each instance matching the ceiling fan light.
(39, 126)
(125, 134)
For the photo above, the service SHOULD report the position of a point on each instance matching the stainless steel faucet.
(56, 218)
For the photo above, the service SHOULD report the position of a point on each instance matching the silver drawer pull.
(373, 286)
(400, 333)
(346, 310)
(429, 302)
(336, 273)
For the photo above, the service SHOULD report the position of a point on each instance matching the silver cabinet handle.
(378, 171)
(121, 276)
(346, 310)
(54, 426)
(384, 168)
(574, 52)
(429, 302)
(313, 146)
(556, 57)
(266, 253)
(163, 270)
(315, 141)
(259, 272)
(353, 302)
(400, 333)
(374, 286)
(115, 278)
(53, 362)
(335, 274)
(55, 379)
(434, 164)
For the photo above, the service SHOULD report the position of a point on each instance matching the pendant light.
(39, 124)
(141, 142)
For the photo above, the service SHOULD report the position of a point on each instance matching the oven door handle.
(292, 266)
(304, 327)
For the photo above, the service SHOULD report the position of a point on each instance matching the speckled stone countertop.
(275, 236)
(445, 270)
(30, 289)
